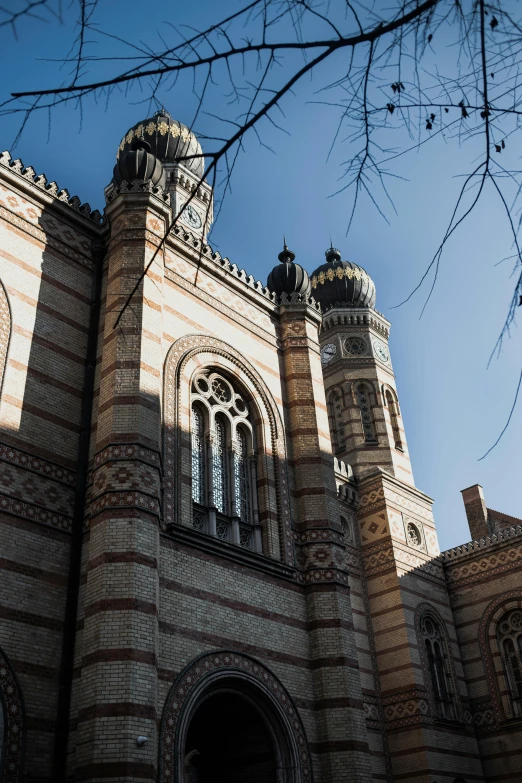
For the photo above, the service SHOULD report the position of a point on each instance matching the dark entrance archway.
(229, 741)
(228, 718)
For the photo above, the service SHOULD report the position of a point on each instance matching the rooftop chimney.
(476, 512)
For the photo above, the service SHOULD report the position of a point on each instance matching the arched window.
(413, 535)
(438, 667)
(223, 472)
(335, 405)
(510, 645)
(362, 396)
(394, 418)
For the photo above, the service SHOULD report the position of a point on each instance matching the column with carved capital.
(342, 752)
(117, 694)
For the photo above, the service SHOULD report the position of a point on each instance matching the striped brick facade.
(119, 617)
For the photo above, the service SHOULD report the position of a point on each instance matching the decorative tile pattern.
(14, 719)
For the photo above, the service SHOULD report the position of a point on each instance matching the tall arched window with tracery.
(509, 636)
(223, 461)
(363, 399)
(394, 418)
(435, 648)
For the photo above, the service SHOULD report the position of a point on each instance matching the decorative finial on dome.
(332, 254)
(286, 256)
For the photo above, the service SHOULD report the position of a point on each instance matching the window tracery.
(224, 472)
(413, 535)
(362, 396)
(510, 644)
(438, 667)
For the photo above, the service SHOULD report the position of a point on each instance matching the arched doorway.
(229, 741)
(228, 719)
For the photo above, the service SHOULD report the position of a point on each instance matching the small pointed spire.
(286, 256)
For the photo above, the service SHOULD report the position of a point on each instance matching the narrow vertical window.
(510, 643)
(242, 478)
(363, 400)
(198, 456)
(394, 418)
(220, 468)
(438, 668)
(336, 422)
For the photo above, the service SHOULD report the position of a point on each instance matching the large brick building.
(215, 564)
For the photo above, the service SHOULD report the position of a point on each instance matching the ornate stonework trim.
(12, 702)
(184, 358)
(427, 610)
(494, 669)
(483, 543)
(229, 666)
(43, 516)
(50, 188)
(5, 332)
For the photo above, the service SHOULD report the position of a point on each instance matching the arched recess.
(423, 611)
(13, 709)
(364, 397)
(232, 672)
(185, 357)
(391, 402)
(495, 674)
(5, 332)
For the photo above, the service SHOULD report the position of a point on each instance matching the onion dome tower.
(138, 163)
(170, 141)
(342, 284)
(179, 153)
(288, 278)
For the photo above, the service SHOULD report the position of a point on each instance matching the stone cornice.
(356, 317)
(367, 481)
(48, 193)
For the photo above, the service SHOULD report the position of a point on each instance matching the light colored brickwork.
(323, 625)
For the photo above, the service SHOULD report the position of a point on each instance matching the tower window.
(362, 395)
(413, 536)
(510, 645)
(224, 501)
(438, 667)
(394, 418)
(336, 421)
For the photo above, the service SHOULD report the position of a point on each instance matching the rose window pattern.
(224, 499)
(438, 667)
(510, 644)
(413, 536)
(362, 396)
(356, 346)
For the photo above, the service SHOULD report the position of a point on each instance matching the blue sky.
(453, 405)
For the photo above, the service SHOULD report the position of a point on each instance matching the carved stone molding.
(228, 666)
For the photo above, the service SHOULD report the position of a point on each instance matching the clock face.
(191, 217)
(328, 352)
(381, 351)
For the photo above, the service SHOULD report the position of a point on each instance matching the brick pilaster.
(342, 748)
(118, 690)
